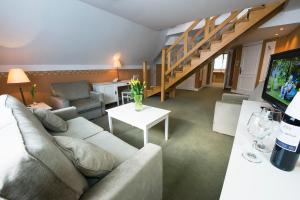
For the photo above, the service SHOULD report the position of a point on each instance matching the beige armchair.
(89, 104)
(227, 111)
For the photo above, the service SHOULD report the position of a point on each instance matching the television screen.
(283, 79)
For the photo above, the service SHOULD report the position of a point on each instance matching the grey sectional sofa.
(33, 167)
(89, 104)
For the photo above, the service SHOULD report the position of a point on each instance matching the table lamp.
(18, 76)
(117, 65)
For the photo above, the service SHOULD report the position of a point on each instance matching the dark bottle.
(286, 150)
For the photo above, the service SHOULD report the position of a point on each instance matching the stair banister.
(145, 74)
(181, 37)
(162, 85)
(177, 61)
(232, 16)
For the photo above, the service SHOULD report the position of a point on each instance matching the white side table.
(40, 105)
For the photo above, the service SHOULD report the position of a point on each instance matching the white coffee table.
(144, 119)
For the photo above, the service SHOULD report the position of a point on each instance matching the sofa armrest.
(67, 113)
(234, 98)
(58, 102)
(99, 97)
(140, 177)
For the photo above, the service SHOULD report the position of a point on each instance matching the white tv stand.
(251, 181)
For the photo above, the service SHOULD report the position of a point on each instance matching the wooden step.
(204, 52)
(256, 12)
(244, 18)
(257, 8)
(154, 90)
(241, 26)
(227, 32)
(216, 41)
(195, 60)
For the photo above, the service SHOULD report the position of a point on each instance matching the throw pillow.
(51, 121)
(89, 159)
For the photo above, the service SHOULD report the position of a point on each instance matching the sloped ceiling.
(68, 32)
(162, 14)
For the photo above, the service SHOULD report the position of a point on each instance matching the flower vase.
(138, 99)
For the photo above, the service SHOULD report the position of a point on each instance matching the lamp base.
(22, 95)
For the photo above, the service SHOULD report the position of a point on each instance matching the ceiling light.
(276, 34)
(282, 29)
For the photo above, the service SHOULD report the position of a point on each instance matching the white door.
(270, 49)
(249, 67)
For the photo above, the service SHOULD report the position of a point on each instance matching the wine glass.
(253, 127)
(266, 123)
(263, 127)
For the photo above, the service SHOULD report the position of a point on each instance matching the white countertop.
(109, 83)
(256, 181)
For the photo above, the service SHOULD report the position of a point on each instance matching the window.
(220, 62)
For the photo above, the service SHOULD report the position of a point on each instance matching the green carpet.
(194, 158)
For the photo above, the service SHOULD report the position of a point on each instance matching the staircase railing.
(145, 75)
(176, 57)
(194, 42)
(209, 32)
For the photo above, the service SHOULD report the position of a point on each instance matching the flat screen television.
(283, 79)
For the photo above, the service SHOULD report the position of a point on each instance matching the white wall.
(66, 33)
(188, 84)
(289, 15)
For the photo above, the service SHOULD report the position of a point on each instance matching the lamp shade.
(17, 76)
(293, 108)
(117, 60)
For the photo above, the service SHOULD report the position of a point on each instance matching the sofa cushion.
(107, 141)
(31, 165)
(72, 90)
(89, 159)
(83, 105)
(51, 121)
(79, 128)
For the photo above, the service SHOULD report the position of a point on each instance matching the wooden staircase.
(193, 49)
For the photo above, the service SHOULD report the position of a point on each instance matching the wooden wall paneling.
(236, 66)
(43, 79)
(289, 42)
(233, 57)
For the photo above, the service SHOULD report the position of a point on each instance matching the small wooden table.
(144, 119)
